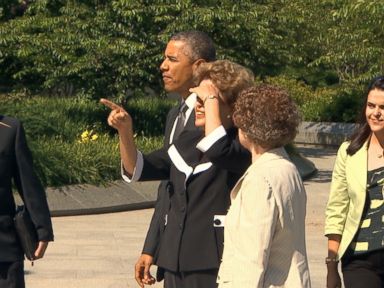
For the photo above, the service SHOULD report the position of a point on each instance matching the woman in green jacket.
(355, 212)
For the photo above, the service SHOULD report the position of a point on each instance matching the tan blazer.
(347, 196)
(264, 234)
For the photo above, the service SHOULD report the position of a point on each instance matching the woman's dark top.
(370, 236)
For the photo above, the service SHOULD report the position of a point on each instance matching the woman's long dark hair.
(363, 131)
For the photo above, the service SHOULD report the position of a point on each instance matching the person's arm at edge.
(32, 192)
(264, 217)
(128, 150)
(333, 277)
(336, 214)
(338, 202)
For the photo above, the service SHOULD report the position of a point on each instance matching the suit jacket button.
(217, 222)
(182, 209)
(181, 226)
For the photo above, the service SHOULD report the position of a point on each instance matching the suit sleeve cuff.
(136, 172)
(45, 234)
(207, 142)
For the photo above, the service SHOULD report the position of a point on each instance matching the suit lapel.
(169, 124)
(190, 125)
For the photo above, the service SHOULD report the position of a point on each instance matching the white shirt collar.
(190, 101)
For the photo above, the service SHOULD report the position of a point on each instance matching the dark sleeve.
(152, 238)
(30, 188)
(171, 116)
(157, 166)
(226, 151)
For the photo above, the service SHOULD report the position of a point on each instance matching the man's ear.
(197, 63)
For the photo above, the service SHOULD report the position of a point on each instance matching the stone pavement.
(99, 250)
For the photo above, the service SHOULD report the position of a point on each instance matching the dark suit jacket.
(16, 165)
(162, 203)
(198, 193)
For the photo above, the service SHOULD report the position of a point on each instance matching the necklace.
(376, 152)
(379, 155)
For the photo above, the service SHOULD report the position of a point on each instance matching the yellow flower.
(85, 134)
(88, 136)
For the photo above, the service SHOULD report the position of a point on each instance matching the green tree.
(12, 8)
(106, 48)
(353, 41)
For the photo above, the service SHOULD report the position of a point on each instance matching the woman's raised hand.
(206, 88)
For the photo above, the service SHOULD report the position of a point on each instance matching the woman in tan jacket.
(264, 235)
(355, 210)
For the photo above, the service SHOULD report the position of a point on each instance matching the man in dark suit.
(16, 165)
(184, 53)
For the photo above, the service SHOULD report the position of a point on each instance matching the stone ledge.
(324, 133)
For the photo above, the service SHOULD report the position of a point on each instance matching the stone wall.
(323, 133)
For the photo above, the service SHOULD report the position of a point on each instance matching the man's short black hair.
(199, 43)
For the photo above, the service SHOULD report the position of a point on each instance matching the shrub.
(327, 104)
(149, 115)
(71, 141)
(56, 117)
(346, 105)
(298, 90)
(60, 162)
(69, 117)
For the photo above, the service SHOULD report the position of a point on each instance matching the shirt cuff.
(136, 172)
(211, 139)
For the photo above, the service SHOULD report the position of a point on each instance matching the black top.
(370, 235)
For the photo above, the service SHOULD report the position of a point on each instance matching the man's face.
(177, 68)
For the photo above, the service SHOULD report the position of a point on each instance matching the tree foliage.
(10, 9)
(101, 48)
(352, 40)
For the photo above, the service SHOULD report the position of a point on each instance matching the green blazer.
(347, 196)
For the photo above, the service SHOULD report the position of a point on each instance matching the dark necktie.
(180, 121)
